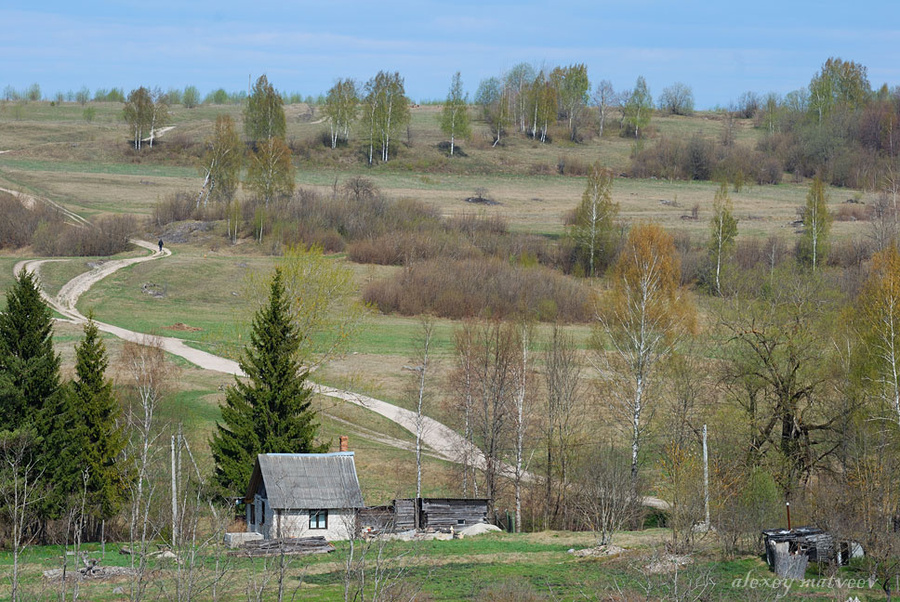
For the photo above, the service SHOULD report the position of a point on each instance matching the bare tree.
(606, 100)
(148, 376)
(20, 478)
(463, 382)
(604, 494)
(422, 370)
(564, 390)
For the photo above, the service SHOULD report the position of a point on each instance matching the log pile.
(291, 546)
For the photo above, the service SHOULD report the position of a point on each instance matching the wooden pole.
(706, 476)
(174, 499)
(787, 506)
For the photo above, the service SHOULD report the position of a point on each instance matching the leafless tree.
(20, 480)
(148, 375)
(605, 99)
(604, 494)
(563, 373)
(422, 370)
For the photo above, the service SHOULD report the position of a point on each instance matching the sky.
(720, 49)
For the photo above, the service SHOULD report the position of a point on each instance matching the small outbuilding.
(304, 495)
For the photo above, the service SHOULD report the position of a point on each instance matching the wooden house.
(304, 495)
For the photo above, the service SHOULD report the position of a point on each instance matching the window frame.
(318, 519)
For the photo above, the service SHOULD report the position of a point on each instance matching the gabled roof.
(307, 481)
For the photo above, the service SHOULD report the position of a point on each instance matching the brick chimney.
(344, 441)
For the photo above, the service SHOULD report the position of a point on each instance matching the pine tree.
(97, 432)
(269, 412)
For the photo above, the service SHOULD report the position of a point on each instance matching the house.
(304, 495)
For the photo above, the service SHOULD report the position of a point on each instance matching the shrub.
(480, 288)
(110, 236)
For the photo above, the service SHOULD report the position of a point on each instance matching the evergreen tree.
(269, 412)
(29, 368)
(97, 433)
(31, 395)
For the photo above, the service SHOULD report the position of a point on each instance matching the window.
(262, 512)
(252, 514)
(318, 519)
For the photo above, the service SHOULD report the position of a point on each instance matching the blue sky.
(720, 49)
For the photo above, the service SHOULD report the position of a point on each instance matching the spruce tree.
(29, 368)
(269, 411)
(31, 395)
(98, 438)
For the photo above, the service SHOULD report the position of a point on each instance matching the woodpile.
(291, 546)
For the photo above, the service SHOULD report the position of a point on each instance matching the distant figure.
(160, 245)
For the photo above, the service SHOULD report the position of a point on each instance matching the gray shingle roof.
(308, 481)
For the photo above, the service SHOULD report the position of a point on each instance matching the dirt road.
(444, 441)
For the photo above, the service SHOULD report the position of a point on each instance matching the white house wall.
(295, 523)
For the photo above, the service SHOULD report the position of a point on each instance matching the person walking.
(160, 245)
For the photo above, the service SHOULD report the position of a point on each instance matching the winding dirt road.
(444, 441)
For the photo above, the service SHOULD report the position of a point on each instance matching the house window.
(318, 519)
(262, 512)
(252, 514)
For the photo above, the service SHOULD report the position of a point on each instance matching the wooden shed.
(425, 513)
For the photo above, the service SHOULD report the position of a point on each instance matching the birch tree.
(723, 229)
(521, 416)
(594, 225)
(341, 109)
(816, 225)
(878, 316)
(605, 99)
(455, 114)
(137, 114)
(221, 165)
(642, 318)
(422, 370)
(264, 113)
(572, 87)
(637, 109)
(516, 83)
(271, 173)
(492, 97)
(542, 106)
(385, 112)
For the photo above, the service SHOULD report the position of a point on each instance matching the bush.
(110, 236)
(19, 223)
(480, 288)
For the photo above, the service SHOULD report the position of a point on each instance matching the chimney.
(343, 439)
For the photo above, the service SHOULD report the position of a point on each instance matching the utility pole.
(706, 476)
(174, 498)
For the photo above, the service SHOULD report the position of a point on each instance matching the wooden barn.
(304, 495)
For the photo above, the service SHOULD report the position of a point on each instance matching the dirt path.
(444, 441)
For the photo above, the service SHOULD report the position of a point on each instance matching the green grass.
(536, 564)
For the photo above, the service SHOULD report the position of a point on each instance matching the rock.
(479, 529)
